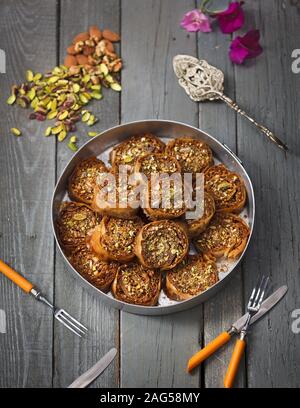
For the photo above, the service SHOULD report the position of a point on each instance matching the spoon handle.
(262, 128)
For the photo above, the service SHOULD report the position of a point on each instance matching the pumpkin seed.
(11, 99)
(57, 129)
(53, 79)
(116, 87)
(76, 88)
(72, 146)
(62, 135)
(37, 77)
(52, 115)
(86, 116)
(63, 115)
(16, 131)
(29, 76)
(96, 95)
(103, 69)
(48, 131)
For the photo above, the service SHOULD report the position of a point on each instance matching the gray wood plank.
(273, 350)
(155, 350)
(27, 167)
(216, 119)
(72, 355)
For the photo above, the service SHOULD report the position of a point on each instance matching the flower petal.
(232, 18)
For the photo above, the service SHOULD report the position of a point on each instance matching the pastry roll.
(158, 164)
(193, 155)
(131, 149)
(196, 226)
(113, 239)
(124, 206)
(84, 178)
(161, 244)
(74, 222)
(227, 189)
(191, 277)
(137, 285)
(226, 235)
(99, 273)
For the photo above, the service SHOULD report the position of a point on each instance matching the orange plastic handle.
(234, 363)
(15, 277)
(208, 350)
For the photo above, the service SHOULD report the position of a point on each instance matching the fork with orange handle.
(60, 314)
(239, 327)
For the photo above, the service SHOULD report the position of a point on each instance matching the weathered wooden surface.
(27, 178)
(153, 354)
(72, 356)
(37, 352)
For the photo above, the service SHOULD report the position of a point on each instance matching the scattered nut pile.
(62, 94)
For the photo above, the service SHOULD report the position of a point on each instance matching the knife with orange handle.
(235, 328)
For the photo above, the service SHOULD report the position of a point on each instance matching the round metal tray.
(100, 146)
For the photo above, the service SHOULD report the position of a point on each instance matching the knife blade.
(266, 305)
(90, 375)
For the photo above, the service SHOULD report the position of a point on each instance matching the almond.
(109, 46)
(81, 59)
(69, 61)
(95, 33)
(81, 37)
(88, 50)
(111, 36)
(92, 60)
(71, 50)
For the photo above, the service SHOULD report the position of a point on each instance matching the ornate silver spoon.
(202, 82)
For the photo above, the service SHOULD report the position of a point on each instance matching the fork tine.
(258, 291)
(263, 290)
(66, 325)
(74, 320)
(65, 318)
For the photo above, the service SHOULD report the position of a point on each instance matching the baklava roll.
(114, 238)
(226, 235)
(84, 178)
(75, 221)
(226, 187)
(198, 225)
(137, 285)
(161, 244)
(127, 152)
(193, 155)
(125, 205)
(99, 273)
(162, 201)
(191, 277)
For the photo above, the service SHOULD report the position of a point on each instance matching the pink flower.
(245, 47)
(194, 21)
(232, 18)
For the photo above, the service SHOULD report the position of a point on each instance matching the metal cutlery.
(202, 82)
(253, 307)
(236, 328)
(90, 375)
(60, 314)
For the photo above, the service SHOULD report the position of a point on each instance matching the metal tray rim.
(166, 309)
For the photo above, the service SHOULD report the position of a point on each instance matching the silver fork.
(61, 315)
(253, 307)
